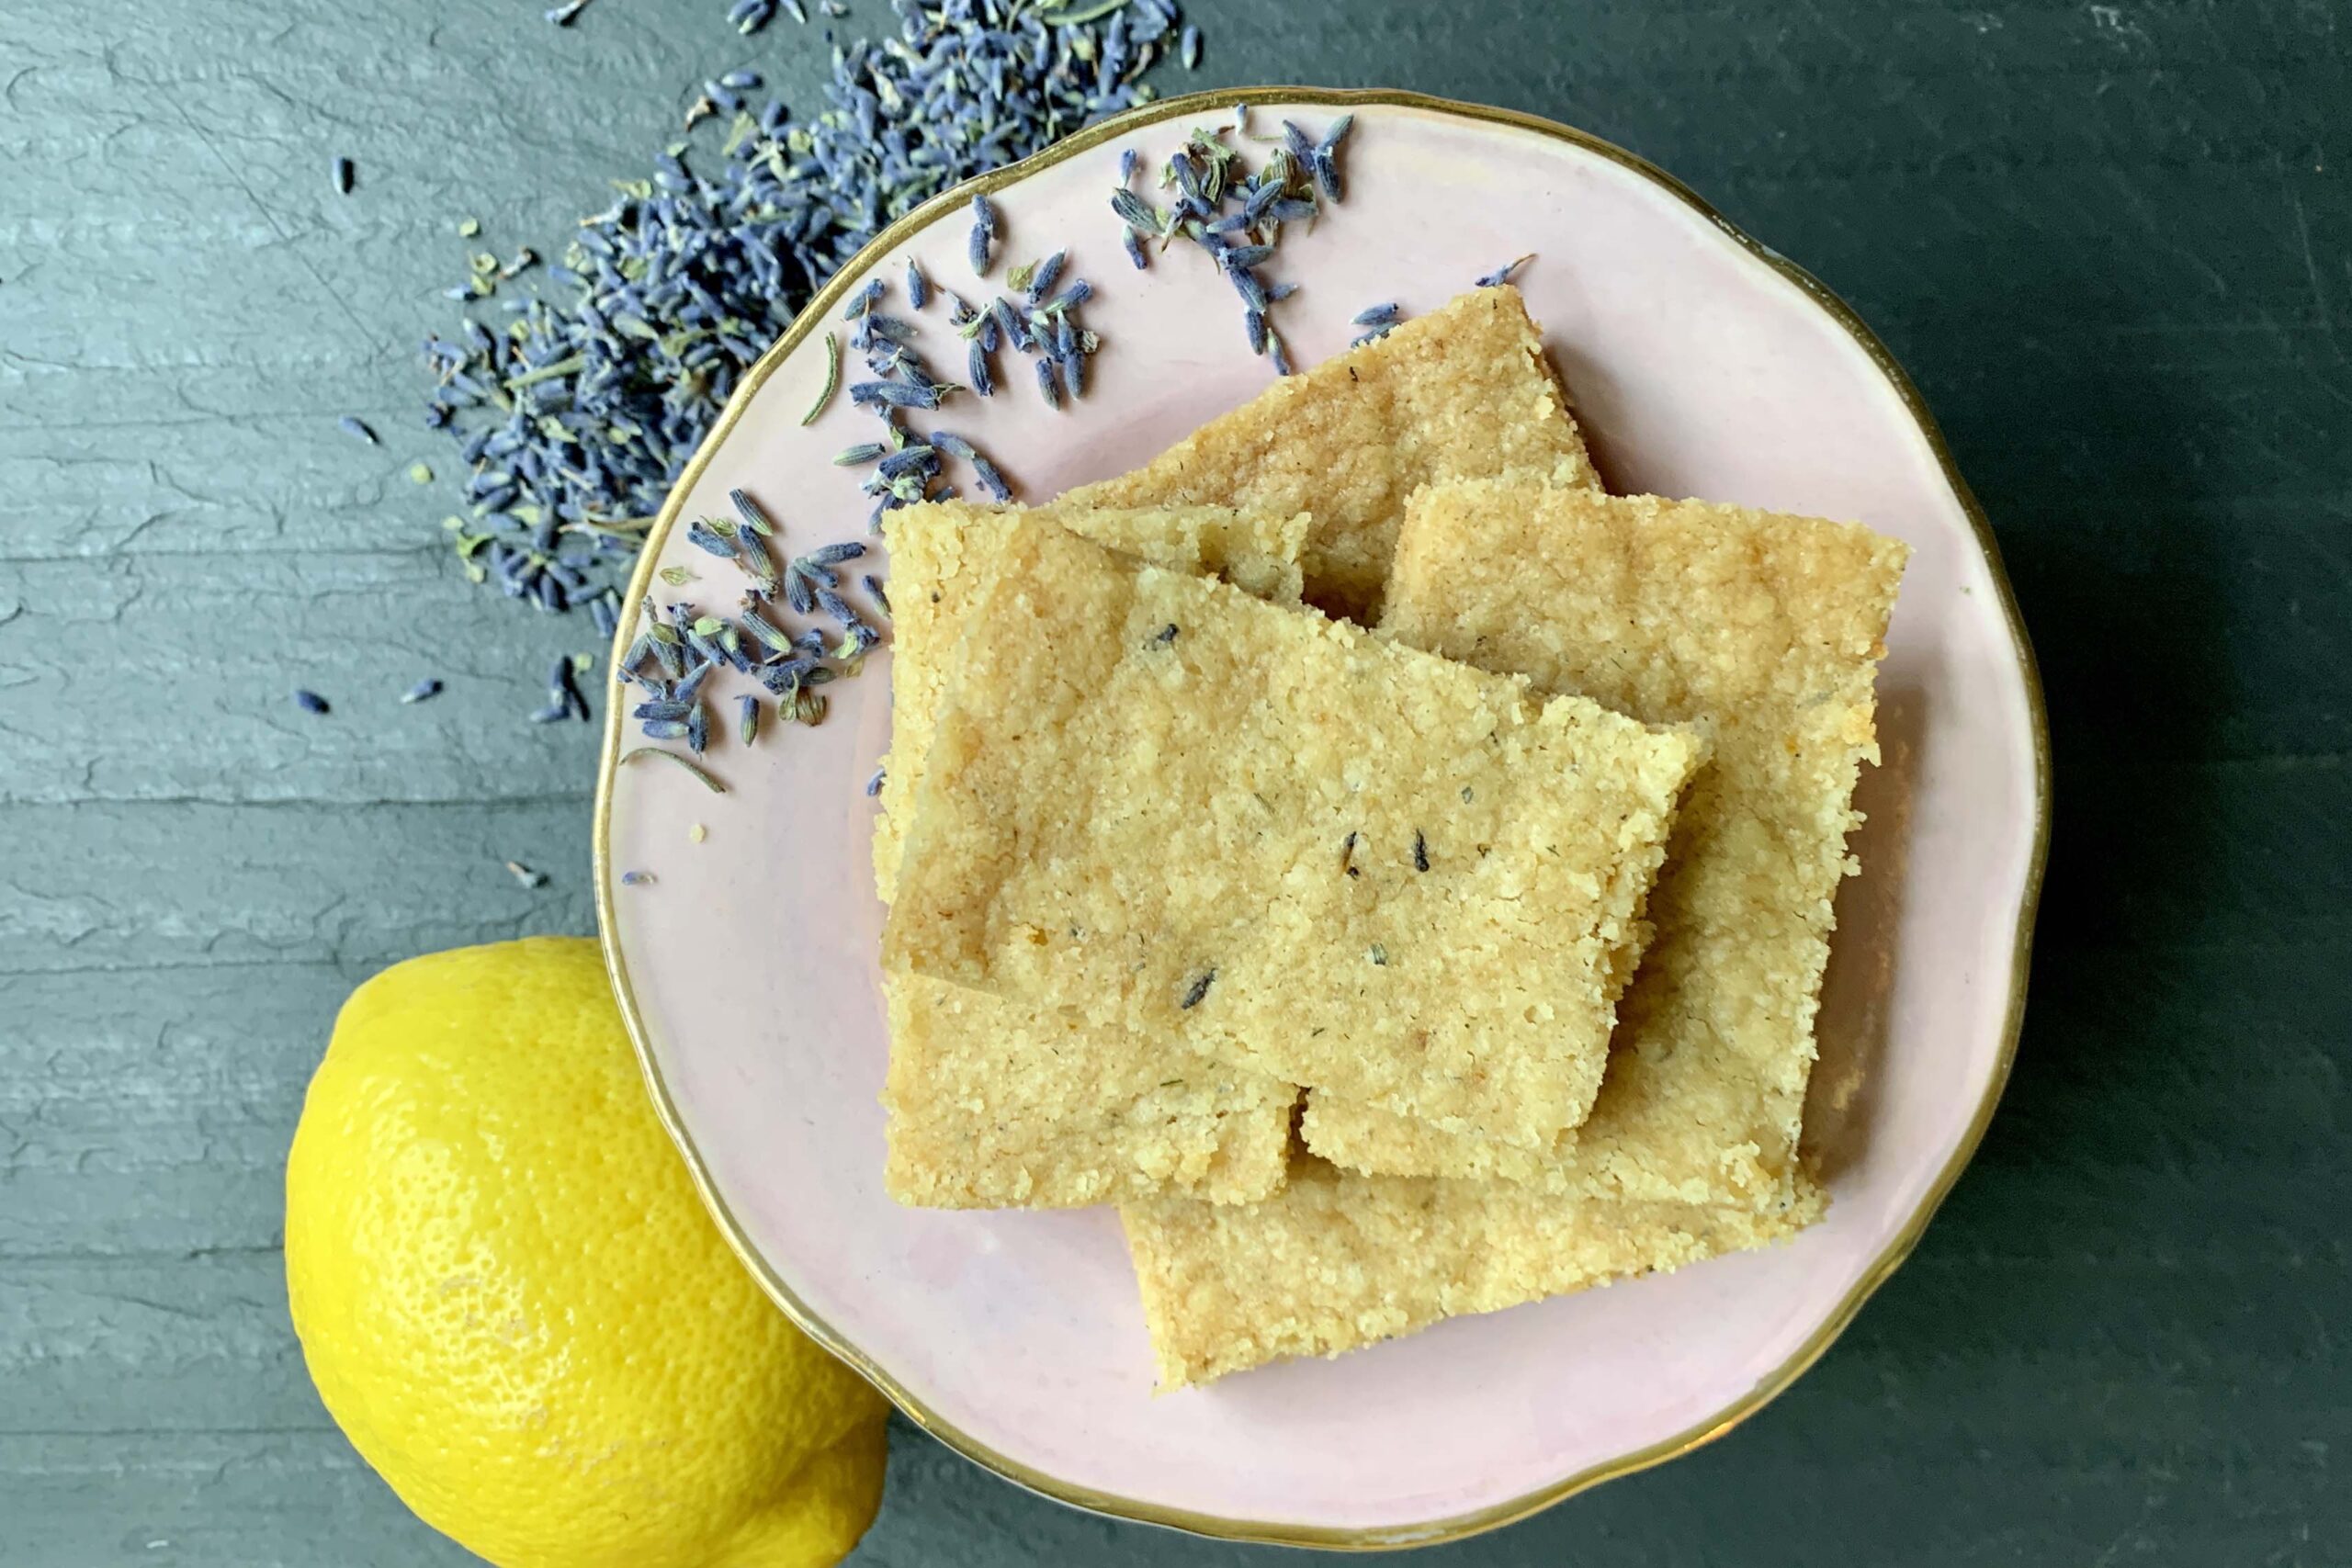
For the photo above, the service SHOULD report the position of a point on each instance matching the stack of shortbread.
(1377, 976)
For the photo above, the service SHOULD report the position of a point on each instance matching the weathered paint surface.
(2114, 244)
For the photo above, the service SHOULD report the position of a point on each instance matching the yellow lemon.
(512, 1302)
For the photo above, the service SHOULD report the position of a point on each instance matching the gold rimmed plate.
(744, 952)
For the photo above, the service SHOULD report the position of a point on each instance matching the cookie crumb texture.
(942, 553)
(1339, 1261)
(1463, 392)
(994, 1103)
(1209, 838)
(1764, 628)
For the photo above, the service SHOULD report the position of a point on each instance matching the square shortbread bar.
(942, 554)
(1336, 1261)
(994, 1103)
(1767, 629)
(1463, 392)
(1294, 847)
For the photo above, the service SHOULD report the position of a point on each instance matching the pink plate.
(1700, 365)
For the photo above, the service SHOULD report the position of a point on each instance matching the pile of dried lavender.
(673, 656)
(672, 660)
(1235, 215)
(575, 413)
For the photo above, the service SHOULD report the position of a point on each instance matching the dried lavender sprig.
(785, 676)
(917, 286)
(564, 693)
(1008, 321)
(842, 613)
(1140, 217)
(991, 480)
(894, 394)
(309, 701)
(858, 640)
(878, 332)
(1326, 157)
(920, 457)
(814, 563)
(690, 687)
(1047, 273)
(709, 781)
(751, 554)
(1503, 274)
(1074, 12)
(983, 238)
(356, 429)
(753, 615)
(754, 517)
(424, 691)
(832, 378)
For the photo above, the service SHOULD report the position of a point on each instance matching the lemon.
(514, 1305)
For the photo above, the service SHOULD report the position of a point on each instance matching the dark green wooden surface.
(2112, 243)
